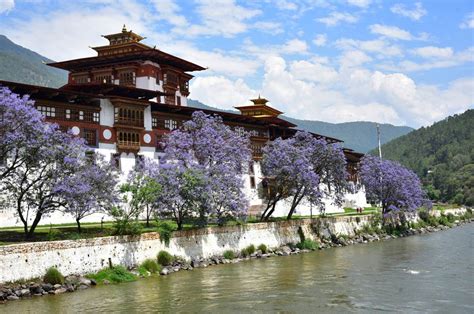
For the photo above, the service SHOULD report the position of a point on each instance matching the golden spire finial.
(124, 29)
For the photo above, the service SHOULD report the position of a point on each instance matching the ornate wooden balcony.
(128, 146)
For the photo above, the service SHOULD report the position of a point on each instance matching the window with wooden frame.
(129, 116)
(115, 160)
(154, 122)
(171, 124)
(107, 78)
(253, 184)
(90, 136)
(127, 78)
(47, 111)
(160, 145)
(178, 100)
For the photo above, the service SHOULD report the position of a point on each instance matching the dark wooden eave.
(52, 94)
(155, 55)
(352, 155)
(108, 89)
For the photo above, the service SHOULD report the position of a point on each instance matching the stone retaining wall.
(30, 260)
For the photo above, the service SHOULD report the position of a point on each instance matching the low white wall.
(30, 260)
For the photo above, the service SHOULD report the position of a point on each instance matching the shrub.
(53, 276)
(443, 220)
(251, 249)
(165, 258)
(54, 235)
(165, 229)
(229, 254)
(115, 274)
(263, 248)
(424, 215)
(151, 266)
(307, 245)
(451, 218)
(127, 227)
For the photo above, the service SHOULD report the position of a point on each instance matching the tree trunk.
(35, 223)
(147, 217)
(270, 213)
(78, 221)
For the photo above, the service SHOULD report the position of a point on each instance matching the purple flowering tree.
(34, 187)
(21, 125)
(181, 194)
(395, 187)
(302, 167)
(90, 189)
(207, 146)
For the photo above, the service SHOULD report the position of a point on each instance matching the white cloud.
(433, 52)
(168, 10)
(294, 46)
(414, 14)
(268, 27)
(360, 3)
(320, 40)
(353, 58)
(436, 59)
(313, 71)
(219, 91)
(334, 18)
(6, 5)
(286, 5)
(380, 47)
(309, 89)
(220, 17)
(395, 32)
(468, 21)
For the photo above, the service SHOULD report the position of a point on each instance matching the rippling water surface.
(428, 273)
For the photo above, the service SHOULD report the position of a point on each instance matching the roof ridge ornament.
(124, 29)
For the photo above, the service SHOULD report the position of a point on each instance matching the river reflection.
(417, 274)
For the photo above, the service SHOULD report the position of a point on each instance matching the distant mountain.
(442, 155)
(22, 65)
(359, 136)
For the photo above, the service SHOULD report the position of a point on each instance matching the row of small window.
(242, 131)
(169, 124)
(69, 114)
(125, 78)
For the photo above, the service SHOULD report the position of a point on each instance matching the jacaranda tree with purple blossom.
(21, 125)
(34, 188)
(207, 149)
(182, 192)
(302, 167)
(90, 189)
(395, 187)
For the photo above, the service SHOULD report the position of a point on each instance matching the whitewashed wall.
(30, 260)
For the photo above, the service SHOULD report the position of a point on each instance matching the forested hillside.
(360, 136)
(442, 155)
(21, 65)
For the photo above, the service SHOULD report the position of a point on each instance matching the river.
(426, 273)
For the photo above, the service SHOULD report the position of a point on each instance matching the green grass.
(229, 254)
(165, 258)
(149, 265)
(115, 274)
(307, 245)
(53, 276)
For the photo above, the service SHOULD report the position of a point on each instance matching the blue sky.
(400, 62)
